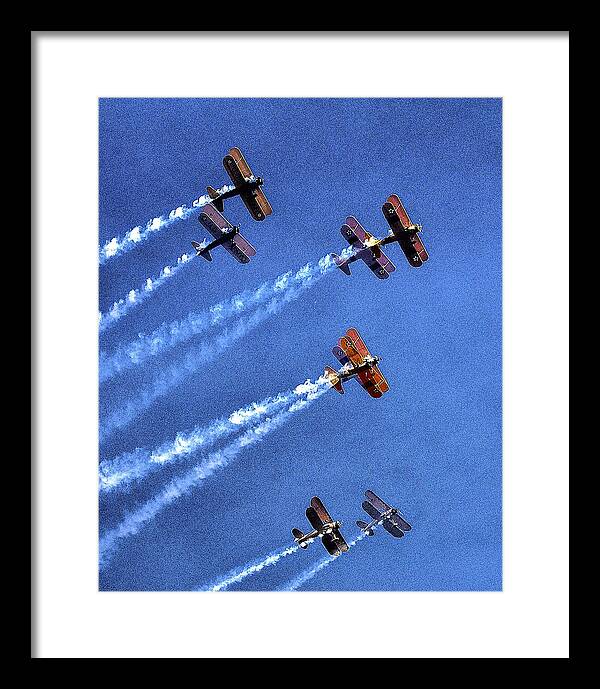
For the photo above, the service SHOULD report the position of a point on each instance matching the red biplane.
(323, 527)
(357, 362)
(381, 513)
(368, 248)
(225, 234)
(247, 186)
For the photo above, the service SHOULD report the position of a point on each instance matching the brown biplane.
(225, 234)
(368, 248)
(323, 527)
(247, 186)
(381, 513)
(357, 362)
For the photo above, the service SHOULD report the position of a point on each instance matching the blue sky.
(431, 446)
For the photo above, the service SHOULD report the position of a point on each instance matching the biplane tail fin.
(202, 251)
(297, 534)
(341, 263)
(217, 201)
(334, 379)
(363, 527)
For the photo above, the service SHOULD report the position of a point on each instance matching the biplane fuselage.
(247, 186)
(304, 540)
(367, 365)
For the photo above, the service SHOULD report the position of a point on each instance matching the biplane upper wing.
(400, 222)
(354, 336)
(214, 222)
(254, 199)
(238, 246)
(236, 167)
(396, 214)
(349, 349)
(377, 502)
(319, 508)
(256, 203)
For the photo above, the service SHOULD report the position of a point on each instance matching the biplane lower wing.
(256, 203)
(240, 248)
(378, 263)
(401, 523)
(339, 354)
(371, 510)
(330, 544)
(392, 529)
(413, 249)
(373, 381)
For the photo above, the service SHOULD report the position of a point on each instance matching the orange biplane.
(247, 186)
(357, 362)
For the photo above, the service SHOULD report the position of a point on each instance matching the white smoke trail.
(169, 335)
(309, 573)
(136, 296)
(236, 575)
(123, 470)
(208, 351)
(218, 459)
(119, 245)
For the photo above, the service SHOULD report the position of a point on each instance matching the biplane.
(247, 186)
(324, 527)
(381, 513)
(357, 362)
(226, 235)
(367, 248)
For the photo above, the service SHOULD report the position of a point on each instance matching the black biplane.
(368, 248)
(247, 186)
(323, 527)
(225, 234)
(382, 513)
